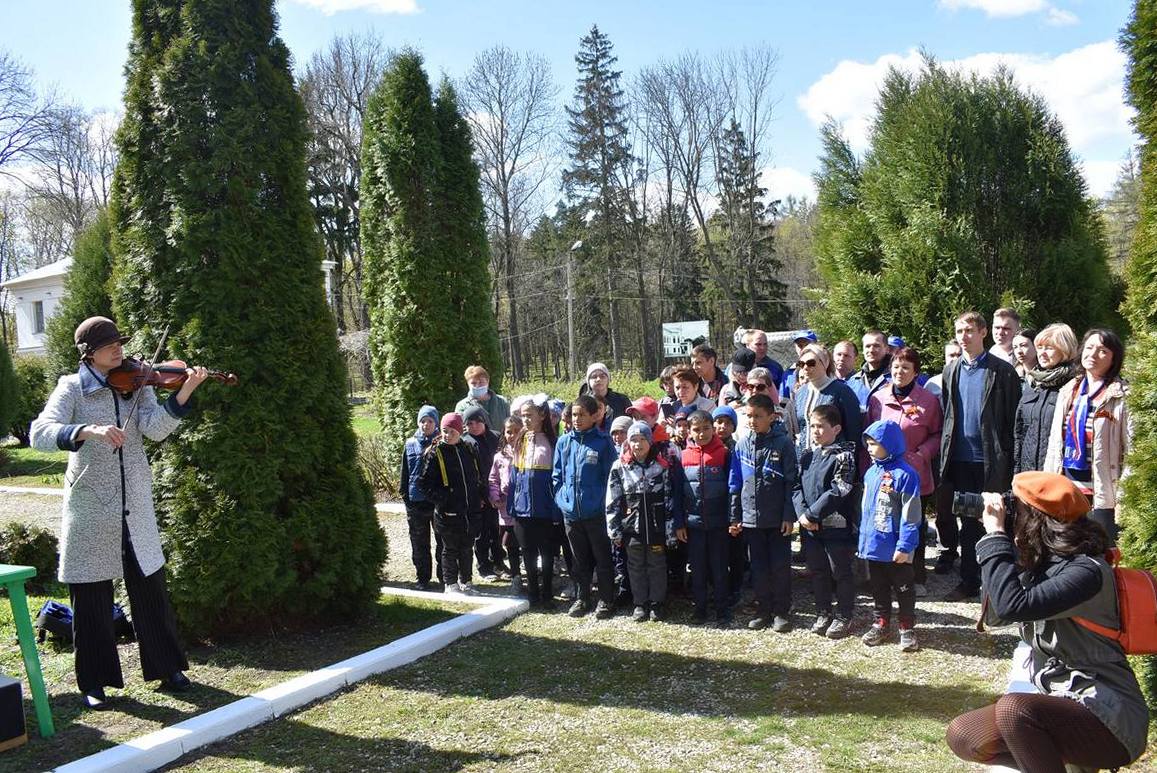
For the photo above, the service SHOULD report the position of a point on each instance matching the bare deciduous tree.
(335, 87)
(510, 101)
(23, 114)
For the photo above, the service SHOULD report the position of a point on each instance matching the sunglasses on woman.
(756, 387)
(807, 363)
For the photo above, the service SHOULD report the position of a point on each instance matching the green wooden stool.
(12, 579)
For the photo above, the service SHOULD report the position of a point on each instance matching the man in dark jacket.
(450, 479)
(980, 395)
(487, 548)
(419, 509)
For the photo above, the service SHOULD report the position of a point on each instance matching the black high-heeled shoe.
(94, 699)
(176, 682)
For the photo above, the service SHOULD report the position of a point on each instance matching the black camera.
(968, 504)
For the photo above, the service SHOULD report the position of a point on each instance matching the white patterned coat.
(90, 548)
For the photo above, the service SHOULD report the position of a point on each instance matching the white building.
(34, 297)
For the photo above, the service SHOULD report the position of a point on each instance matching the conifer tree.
(266, 515)
(461, 223)
(598, 180)
(10, 393)
(967, 198)
(86, 294)
(1138, 514)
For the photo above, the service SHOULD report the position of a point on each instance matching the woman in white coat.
(109, 528)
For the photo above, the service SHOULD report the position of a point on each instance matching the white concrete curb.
(55, 492)
(162, 747)
(390, 507)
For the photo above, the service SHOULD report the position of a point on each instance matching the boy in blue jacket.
(419, 509)
(582, 464)
(825, 499)
(889, 531)
(763, 472)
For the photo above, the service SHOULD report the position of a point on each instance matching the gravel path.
(32, 509)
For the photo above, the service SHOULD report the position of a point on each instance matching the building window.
(38, 317)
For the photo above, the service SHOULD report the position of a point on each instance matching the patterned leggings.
(1035, 733)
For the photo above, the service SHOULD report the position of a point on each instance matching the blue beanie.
(640, 428)
(728, 412)
(430, 411)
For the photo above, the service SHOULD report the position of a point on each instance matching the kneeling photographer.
(1088, 710)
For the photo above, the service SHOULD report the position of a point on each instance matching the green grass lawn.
(223, 672)
(28, 467)
(546, 692)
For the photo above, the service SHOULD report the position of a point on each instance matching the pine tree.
(267, 517)
(747, 221)
(1138, 514)
(460, 221)
(86, 294)
(968, 198)
(598, 179)
(10, 393)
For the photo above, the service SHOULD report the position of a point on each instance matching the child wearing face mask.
(478, 393)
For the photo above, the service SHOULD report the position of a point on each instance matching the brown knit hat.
(96, 332)
(1051, 493)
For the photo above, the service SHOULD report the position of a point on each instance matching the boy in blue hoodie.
(889, 531)
(825, 500)
(582, 464)
(419, 509)
(763, 472)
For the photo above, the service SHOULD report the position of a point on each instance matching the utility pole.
(570, 305)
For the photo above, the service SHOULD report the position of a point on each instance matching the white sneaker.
(921, 591)
(466, 589)
(451, 587)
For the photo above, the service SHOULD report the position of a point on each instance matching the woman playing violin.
(109, 528)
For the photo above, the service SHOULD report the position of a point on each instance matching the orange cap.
(1051, 493)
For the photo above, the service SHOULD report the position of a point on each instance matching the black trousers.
(708, 550)
(647, 565)
(886, 577)
(513, 549)
(736, 562)
(457, 561)
(1107, 517)
(592, 552)
(537, 538)
(960, 476)
(487, 547)
(421, 522)
(97, 661)
(830, 563)
(770, 570)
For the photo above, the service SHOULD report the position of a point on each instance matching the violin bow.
(156, 354)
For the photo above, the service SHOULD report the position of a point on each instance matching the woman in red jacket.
(918, 413)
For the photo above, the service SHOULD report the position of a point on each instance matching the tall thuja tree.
(968, 197)
(598, 180)
(413, 326)
(1139, 510)
(460, 220)
(86, 294)
(267, 518)
(747, 219)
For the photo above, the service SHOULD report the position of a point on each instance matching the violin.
(132, 374)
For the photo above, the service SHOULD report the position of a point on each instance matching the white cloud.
(998, 8)
(330, 7)
(1084, 87)
(1059, 17)
(782, 182)
(1100, 176)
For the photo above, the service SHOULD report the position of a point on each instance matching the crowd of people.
(523, 484)
(714, 479)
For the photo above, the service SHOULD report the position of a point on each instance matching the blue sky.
(832, 54)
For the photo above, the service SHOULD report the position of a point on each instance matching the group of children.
(632, 507)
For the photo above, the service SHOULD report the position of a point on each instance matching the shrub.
(377, 466)
(32, 382)
(25, 545)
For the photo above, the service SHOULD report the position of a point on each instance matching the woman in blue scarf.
(1091, 427)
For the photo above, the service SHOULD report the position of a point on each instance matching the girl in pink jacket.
(499, 483)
